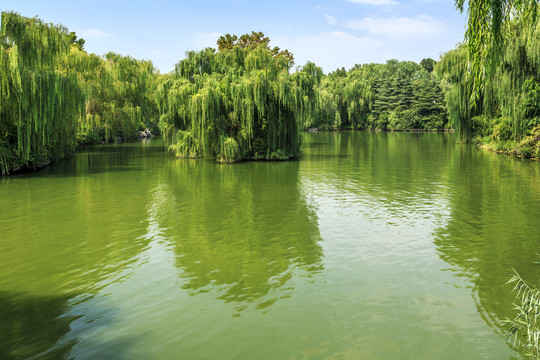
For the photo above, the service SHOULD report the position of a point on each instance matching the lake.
(369, 246)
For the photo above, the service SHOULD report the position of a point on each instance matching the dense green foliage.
(240, 101)
(119, 95)
(493, 93)
(253, 40)
(487, 30)
(39, 102)
(237, 103)
(53, 95)
(392, 96)
(344, 98)
(506, 111)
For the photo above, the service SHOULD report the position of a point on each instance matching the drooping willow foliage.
(392, 96)
(237, 103)
(488, 22)
(39, 104)
(53, 95)
(507, 109)
(453, 70)
(119, 92)
(344, 97)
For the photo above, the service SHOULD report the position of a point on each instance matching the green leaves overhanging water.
(39, 103)
(53, 95)
(237, 103)
(507, 107)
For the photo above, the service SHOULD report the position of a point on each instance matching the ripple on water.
(369, 246)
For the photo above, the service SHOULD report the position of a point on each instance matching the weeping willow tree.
(39, 103)
(344, 98)
(506, 111)
(119, 95)
(487, 26)
(453, 71)
(513, 92)
(237, 103)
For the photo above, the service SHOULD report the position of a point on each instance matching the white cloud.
(333, 50)
(331, 20)
(94, 34)
(400, 28)
(375, 2)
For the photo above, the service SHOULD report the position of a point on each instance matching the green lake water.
(369, 246)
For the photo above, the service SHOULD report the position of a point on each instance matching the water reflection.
(31, 326)
(72, 238)
(135, 254)
(493, 227)
(69, 233)
(387, 202)
(387, 179)
(243, 230)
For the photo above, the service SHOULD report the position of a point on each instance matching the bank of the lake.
(370, 245)
(509, 148)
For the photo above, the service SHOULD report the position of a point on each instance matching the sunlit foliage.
(507, 109)
(487, 31)
(525, 327)
(237, 103)
(392, 96)
(39, 103)
(119, 95)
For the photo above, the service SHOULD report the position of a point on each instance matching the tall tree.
(79, 43)
(485, 29)
(428, 64)
(505, 108)
(39, 102)
(251, 41)
(239, 102)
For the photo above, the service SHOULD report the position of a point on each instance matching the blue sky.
(331, 33)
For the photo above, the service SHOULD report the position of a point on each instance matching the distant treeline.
(393, 96)
(242, 101)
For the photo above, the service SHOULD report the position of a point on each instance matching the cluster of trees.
(393, 96)
(501, 108)
(54, 96)
(397, 95)
(493, 93)
(238, 102)
(119, 92)
(241, 101)
(39, 101)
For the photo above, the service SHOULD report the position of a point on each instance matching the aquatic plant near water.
(525, 327)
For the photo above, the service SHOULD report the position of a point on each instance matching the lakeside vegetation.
(494, 94)
(504, 112)
(40, 102)
(239, 102)
(398, 95)
(55, 96)
(242, 100)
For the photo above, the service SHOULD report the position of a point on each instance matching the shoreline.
(491, 148)
(380, 130)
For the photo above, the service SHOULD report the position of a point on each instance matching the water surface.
(371, 245)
